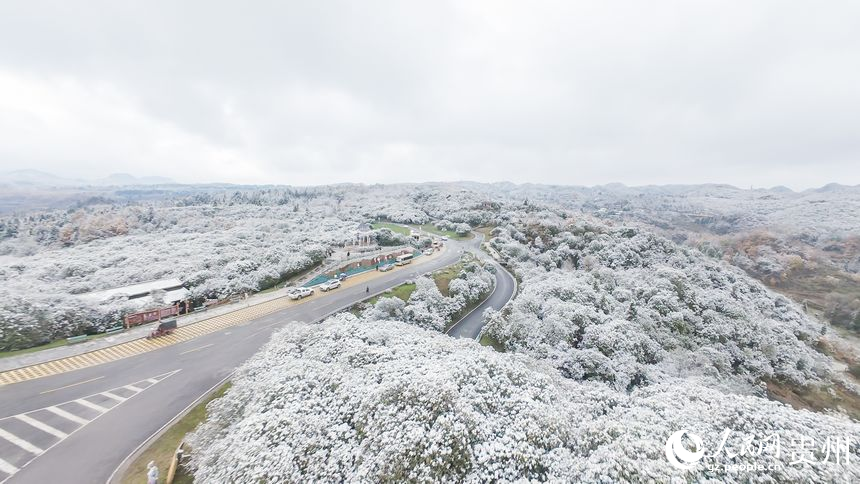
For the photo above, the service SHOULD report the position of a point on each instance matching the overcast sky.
(571, 92)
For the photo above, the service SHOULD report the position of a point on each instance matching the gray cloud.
(760, 93)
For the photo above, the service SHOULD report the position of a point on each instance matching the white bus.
(404, 259)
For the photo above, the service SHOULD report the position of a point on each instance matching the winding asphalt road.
(470, 326)
(91, 433)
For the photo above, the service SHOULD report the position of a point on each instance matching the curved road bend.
(470, 326)
(99, 415)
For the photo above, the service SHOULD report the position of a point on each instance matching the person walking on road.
(151, 473)
(367, 290)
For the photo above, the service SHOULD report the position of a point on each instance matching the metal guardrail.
(77, 339)
(115, 330)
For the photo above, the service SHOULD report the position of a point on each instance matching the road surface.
(76, 427)
(470, 326)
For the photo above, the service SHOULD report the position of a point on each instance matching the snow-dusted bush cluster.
(627, 307)
(428, 308)
(458, 228)
(473, 283)
(353, 400)
(386, 237)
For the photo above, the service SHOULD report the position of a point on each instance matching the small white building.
(172, 289)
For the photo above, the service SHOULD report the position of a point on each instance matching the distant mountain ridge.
(43, 179)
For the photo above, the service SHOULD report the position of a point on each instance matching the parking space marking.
(25, 428)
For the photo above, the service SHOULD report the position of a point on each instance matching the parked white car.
(329, 285)
(428, 251)
(386, 267)
(299, 292)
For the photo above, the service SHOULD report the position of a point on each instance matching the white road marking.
(20, 442)
(66, 415)
(72, 385)
(133, 388)
(7, 467)
(88, 404)
(198, 349)
(42, 426)
(12, 464)
(112, 396)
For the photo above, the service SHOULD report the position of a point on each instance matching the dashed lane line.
(72, 385)
(197, 349)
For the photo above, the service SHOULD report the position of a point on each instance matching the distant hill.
(38, 178)
(124, 179)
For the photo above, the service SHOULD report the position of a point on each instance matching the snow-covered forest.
(378, 401)
(627, 307)
(636, 315)
(215, 250)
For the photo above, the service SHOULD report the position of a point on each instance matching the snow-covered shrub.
(473, 283)
(387, 309)
(387, 237)
(427, 308)
(459, 228)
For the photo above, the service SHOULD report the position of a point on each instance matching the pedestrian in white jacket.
(151, 473)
